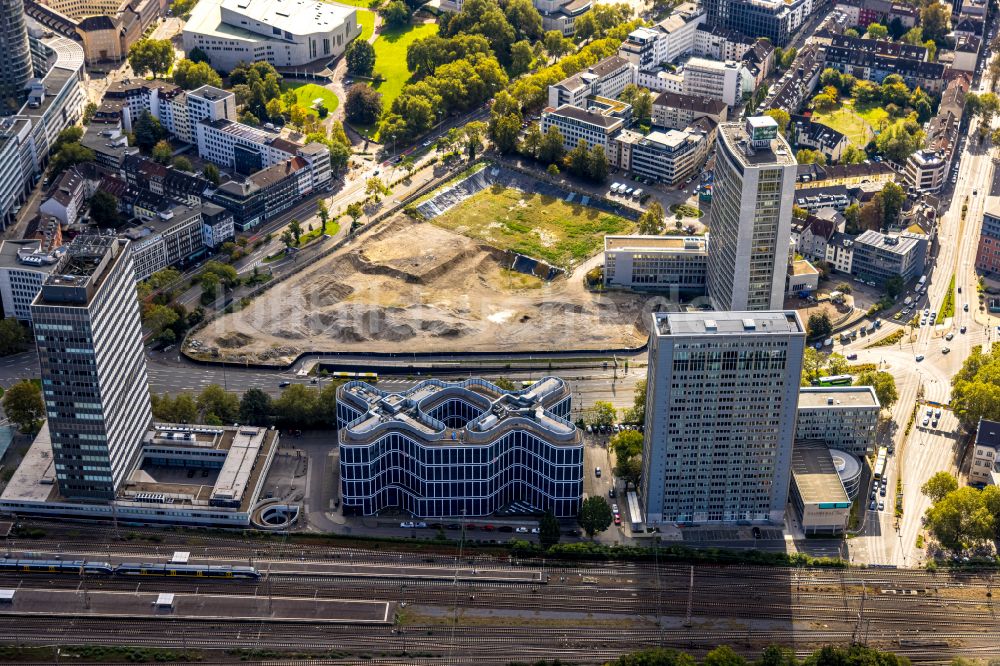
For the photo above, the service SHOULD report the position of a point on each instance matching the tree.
(629, 470)
(360, 57)
(627, 444)
(812, 364)
(603, 413)
(524, 18)
(180, 409)
(211, 172)
(504, 131)
(548, 530)
(781, 116)
(934, 21)
(901, 140)
(877, 31)
(189, 74)
(104, 210)
(255, 407)
(939, 485)
(151, 55)
(89, 109)
(808, 156)
(216, 401)
(148, 131)
(296, 228)
(374, 187)
(396, 13)
(960, 520)
(162, 151)
(637, 413)
(853, 155)
(723, 656)
(158, 317)
(354, 211)
(68, 155)
(288, 238)
(595, 515)
(651, 220)
(891, 200)
(577, 159)
(323, 211)
(521, 57)
(551, 149)
(837, 364)
(597, 164)
(474, 132)
(297, 406)
(12, 337)
(182, 163)
(24, 406)
(894, 286)
(884, 385)
(819, 325)
(363, 104)
(298, 116)
(824, 102)
(556, 45)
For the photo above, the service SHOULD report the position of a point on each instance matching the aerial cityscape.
(536, 332)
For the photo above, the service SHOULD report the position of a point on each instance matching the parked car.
(949, 337)
(962, 330)
(284, 384)
(421, 525)
(407, 524)
(881, 506)
(945, 350)
(597, 472)
(521, 530)
(920, 357)
(535, 530)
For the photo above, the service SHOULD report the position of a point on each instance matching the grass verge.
(888, 340)
(948, 306)
(390, 58)
(306, 93)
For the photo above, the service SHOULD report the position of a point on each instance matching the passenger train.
(81, 567)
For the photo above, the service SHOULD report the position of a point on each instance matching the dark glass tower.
(15, 55)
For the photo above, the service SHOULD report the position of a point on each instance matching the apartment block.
(985, 460)
(988, 252)
(677, 111)
(174, 236)
(574, 123)
(721, 408)
(878, 257)
(607, 79)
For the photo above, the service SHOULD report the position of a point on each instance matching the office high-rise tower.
(86, 320)
(15, 65)
(721, 407)
(752, 200)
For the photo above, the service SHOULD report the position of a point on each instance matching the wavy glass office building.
(459, 449)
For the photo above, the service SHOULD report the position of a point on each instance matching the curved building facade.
(465, 448)
(15, 68)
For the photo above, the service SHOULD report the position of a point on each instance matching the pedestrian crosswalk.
(252, 265)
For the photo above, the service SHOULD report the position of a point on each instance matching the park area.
(390, 58)
(857, 124)
(307, 93)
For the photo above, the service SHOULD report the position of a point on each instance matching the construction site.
(426, 283)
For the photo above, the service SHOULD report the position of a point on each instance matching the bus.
(880, 460)
(834, 380)
(363, 376)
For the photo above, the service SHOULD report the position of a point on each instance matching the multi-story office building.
(558, 15)
(726, 80)
(104, 28)
(264, 194)
(86, 321)
(24, 265)
(666, 157)
(607, 78)
(927, 170)
(459, 449)
(878, 257)
(574, 123)
(845, 417)
(16, 67)
(988, 252)
(752, 216)
(217, 225)
(660, 263)
(721, 406)
(175, 236)
(285, 33)
(776, 20)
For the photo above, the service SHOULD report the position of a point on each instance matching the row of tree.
(774, 655)
(299, 406)
(961, 519)
(975, 389)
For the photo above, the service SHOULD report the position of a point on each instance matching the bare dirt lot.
(415, 287)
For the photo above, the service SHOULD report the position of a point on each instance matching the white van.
(637, 194)
(614, 187)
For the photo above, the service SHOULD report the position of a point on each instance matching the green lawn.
(354, 3)
(305, 93)
(367, 21)
(390, 57)
(542, 227)
(858, 125)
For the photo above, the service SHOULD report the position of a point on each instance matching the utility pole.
(687, 617)
(857, 634)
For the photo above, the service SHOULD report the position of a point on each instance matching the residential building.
(667, 157)
(285, 33)
(175, 236)
(264, 194)
(458, 449)
(66, 198)
(844, 417)
(718, 43)
(24, 265)
(677, 111)
(817, 136)
(649, 48)
(837, 197)
(607, 79)
(984, 457)
(776, 20)
(16, 67)
(86, 320)
(927, 170)
(720, 415)
(879, 257)
(812, 176)
(818, 496)
(217, 225)
(965, 55)
(574, 123)
(840, 253)
(752, 214)
(815, 235)
(797, 84)
(873, 60)
(988, 252)
(726, 80)
(675, 264)
(110, 146)
(558, 15)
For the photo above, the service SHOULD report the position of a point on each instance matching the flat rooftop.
(679, 244)
(701, 324)
(85, 265)
(815, 474)
(26, 255)
(775, 152)
(803, 267)
(293, 16)
(814, 397)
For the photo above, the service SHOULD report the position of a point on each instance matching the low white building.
(66, 198)
(607, 78)
(927, 170)
(663, 263)
(575, 123)
(984, 457)
(285, 33)
(667, 157)
(24, 265)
